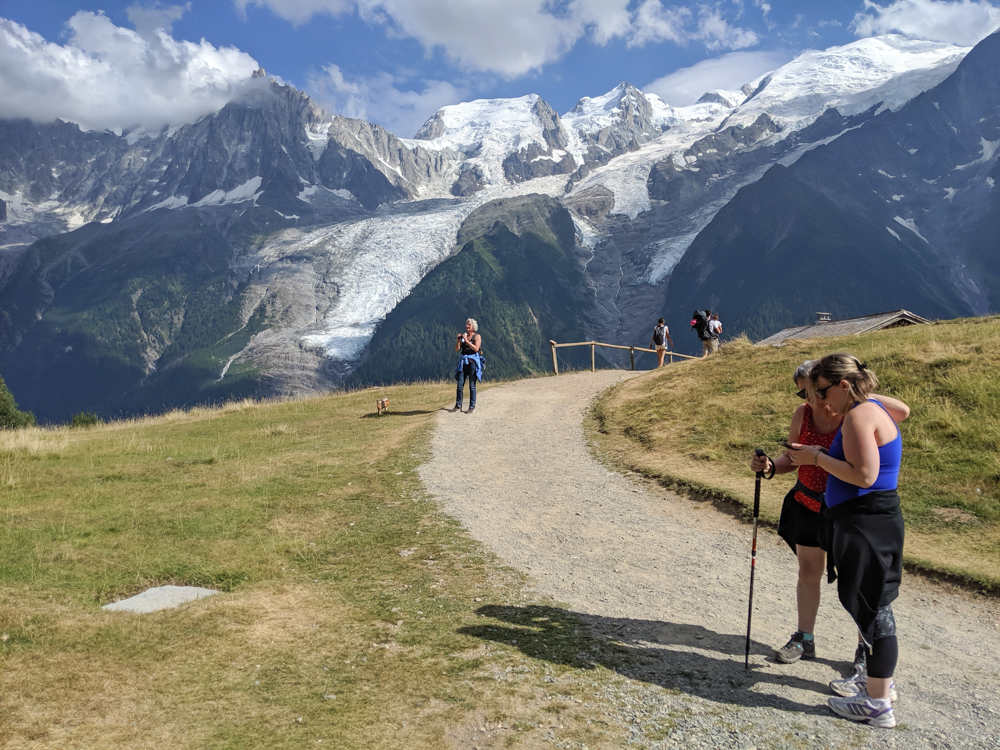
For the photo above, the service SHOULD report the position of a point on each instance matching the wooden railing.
(592, 344)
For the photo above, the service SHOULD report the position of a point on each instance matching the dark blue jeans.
(468, 373)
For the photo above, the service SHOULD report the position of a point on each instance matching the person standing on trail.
(470, 364)
(661, 337)
(699, 324)
(866, 545)
(800, 522)
(714, 332)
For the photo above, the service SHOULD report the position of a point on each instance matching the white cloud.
(607, 19)
(148, 19)
(729, 72)
(654, 23)
(961, 22)
(380, 99)
(509, 37)
(717, 33)
(514, 37)
(107, 77)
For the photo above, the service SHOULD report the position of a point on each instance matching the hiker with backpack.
(701, 324)
(661, 336)
(470, 364)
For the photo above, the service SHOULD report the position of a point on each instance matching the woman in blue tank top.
(866, 543)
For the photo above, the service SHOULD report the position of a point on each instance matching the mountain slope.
(781, 250)
(518, 273)
(906, 199)
(317, 227)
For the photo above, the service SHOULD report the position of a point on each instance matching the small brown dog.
(382, 405)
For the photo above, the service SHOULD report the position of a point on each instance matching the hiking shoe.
(858, 683)
(860, 658)
(455, 408)
(796, 649)
(862, 708)
(471, 409)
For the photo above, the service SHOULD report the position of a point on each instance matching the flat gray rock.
(161, 597)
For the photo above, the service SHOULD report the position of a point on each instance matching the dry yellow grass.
(694, 426)
(297, 511)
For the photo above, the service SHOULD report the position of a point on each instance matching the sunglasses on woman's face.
(802, 393)
(821, 392)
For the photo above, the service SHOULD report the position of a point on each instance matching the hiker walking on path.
(659, 341)
(866, 543)
(470, 364)
(813, 424)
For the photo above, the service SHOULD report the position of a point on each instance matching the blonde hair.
(475, 325)
(841, 366)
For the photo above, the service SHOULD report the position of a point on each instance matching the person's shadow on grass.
(648, 650)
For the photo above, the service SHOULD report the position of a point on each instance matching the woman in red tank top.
(800, 520)
(814, 423)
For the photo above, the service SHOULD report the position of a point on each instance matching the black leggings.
(885, 646)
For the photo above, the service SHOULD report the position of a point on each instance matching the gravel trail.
(668, 577)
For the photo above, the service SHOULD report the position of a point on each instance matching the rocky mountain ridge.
(321, 225)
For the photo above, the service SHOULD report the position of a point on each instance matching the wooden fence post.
(592, 356)
(555, 365)
(631, 354)
(671, 357)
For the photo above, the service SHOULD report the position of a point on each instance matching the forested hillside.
(517, 273)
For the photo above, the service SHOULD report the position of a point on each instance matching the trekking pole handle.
(760, 454)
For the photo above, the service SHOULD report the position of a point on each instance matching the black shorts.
(798, 524)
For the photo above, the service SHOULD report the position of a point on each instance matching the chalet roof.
(846, 327)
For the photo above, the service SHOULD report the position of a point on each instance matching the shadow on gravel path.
(657, 587)
(642, 650)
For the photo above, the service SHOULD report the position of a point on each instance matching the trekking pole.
(753, 552)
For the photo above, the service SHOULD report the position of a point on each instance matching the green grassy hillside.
(353, 614)
(695, 425)
(88, 311)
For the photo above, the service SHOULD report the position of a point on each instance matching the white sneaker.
(858, 683)
(862, 708)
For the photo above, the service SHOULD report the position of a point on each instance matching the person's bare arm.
(474, 342)
(670, 340)
(896, 408)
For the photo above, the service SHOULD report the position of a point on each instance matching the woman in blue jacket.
(470, 364)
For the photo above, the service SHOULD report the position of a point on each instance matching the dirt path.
(668, 577)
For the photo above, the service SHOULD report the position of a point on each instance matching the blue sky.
(124, 63)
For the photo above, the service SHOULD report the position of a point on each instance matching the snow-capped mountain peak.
(887, 70)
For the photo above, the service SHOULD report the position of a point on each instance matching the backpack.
(699, 324)
(659, 335)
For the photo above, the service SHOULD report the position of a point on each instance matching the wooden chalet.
(825, 327)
